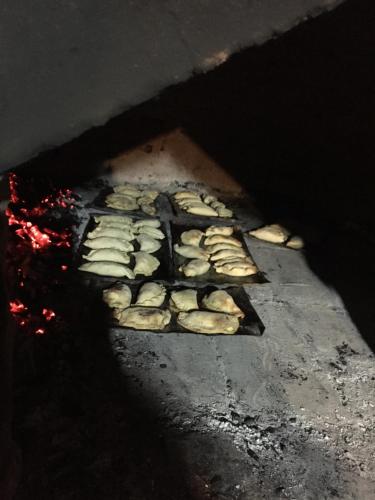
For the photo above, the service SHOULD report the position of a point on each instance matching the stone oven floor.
(286, 415)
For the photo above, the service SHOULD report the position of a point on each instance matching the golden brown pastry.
(224, 254)
(274, 233)
(145, 263)
(154, 232)
(236, 268)
(112, 232)
(104, 242)
(112, 269)
(180, 195)
(295, 242)
(148, 244)
(151, 295)
(117, 296)
(195, 267)
(218, 238)
(191, 252)
(106, 219)
(107, 255)
(222, 301)
(223, 230)
(127, 190)
(192, 237)
(183, 300)
(121, 202)
(208, 322)
(143, 318)
(201, 210)
(146, 222)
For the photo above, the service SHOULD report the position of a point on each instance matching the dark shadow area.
(85, 428)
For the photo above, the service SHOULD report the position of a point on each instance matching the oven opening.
(189, 287)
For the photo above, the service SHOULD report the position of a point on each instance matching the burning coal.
(40, 252)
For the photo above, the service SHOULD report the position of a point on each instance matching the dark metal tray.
(99, 203)
(211, 277)
(163, 272)
(250, 325)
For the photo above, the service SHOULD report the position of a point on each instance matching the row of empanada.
(216, 248)
(221, 315)
(111, 246)
(206, 205)
(128, 198)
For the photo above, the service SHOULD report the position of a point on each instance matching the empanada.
(151, 295)
(107, 255)
(148, 208)
(148, 244)
(208, 322)
(192, 237)
(150, 194)
(191, 252)
(117, 296)
(115, 225)
(195, 267)
(209, 199)
(295, 242)
(146, 222)
(104, 242)
(121, 202)
(201, 210)
(223, 254)
(222, 301)
(103, 219)
(191, 202)
(180, 195)
(186, 201)
(223, 230)
(144, 318)
(274, 233)
(218, 238)
(217, 204)
(127, 190)
(224, 212)
(217, 247)
(231, 260)
(145, 263)
(237, 269)
(183, 300)
(111, 232)
(112, 269)
(151, 231)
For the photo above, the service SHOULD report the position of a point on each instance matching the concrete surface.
(69, 66)
(174, 416)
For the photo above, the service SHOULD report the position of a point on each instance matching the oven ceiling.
(70, 65)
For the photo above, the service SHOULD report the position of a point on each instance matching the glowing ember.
(16, 307)
(28, 231)
(48, 314)
(40, 230)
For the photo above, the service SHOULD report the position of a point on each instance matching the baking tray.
(99, 203)
(164, 271)
(211, 277)
(250, 325)
(207, 218)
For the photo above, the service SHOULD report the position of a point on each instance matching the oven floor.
(287, 415)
